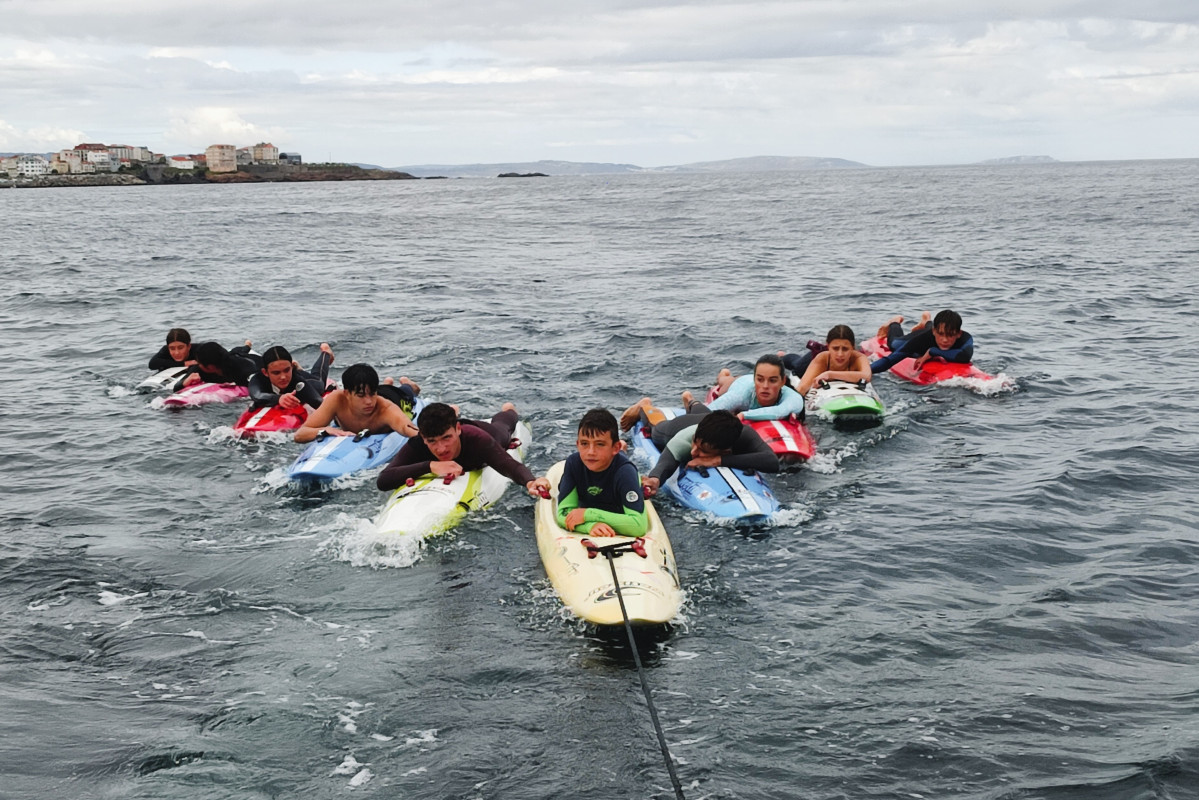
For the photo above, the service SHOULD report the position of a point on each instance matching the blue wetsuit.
(920, 342)
(740, 398)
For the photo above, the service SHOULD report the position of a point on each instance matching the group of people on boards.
(600, 492)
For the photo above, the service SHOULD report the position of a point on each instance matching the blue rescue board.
(720, 491)
(330, 457)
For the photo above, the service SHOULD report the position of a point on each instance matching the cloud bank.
(637, 82)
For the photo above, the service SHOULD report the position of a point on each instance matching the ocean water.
(995, 594)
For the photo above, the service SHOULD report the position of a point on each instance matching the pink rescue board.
(203, 393)
(933, 371)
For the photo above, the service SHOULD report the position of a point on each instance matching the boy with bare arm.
(356, 407)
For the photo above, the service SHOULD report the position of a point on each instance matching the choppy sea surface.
(995, 594)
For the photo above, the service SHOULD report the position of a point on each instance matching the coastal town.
(119, 164)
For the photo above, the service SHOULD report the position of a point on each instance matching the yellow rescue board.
(650, 585)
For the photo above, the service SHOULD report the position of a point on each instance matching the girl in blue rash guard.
(763, 395)
(277, 382)
(175, 353)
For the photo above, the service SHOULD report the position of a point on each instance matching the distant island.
(559, 168)
(1021, 160)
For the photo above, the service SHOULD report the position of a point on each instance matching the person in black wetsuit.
(945, 340)
(175, 353)
(281, 382)
(706, 439)
(215, 364)
(449, 447)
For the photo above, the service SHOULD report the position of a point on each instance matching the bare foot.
(633, 413)
(885, 328)
(504, 407)
(325, 348)
(925, 318)
(249, 343)
(404, 379)
(688, 398)
(389, 381)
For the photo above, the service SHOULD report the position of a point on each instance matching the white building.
(181, 162)
(31, 164)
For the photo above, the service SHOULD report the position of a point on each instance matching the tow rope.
(611, 552)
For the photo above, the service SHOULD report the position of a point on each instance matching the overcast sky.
(393, 82)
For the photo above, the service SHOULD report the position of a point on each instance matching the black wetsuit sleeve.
(192, 370)
(261, 392)
(751, 453)
(162, 360)
(665, 468)
(314, 388)
(412, 461)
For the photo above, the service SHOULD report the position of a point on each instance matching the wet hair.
(358, 377)
(950, 320)
(211, 354)
(178, 335)
(771, 358)
(600, 420)
(276, 353)
(435, 419)
(718, 430)
(841, 332)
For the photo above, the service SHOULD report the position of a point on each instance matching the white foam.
(108, 598)
(359, 542)
(222, 433)
(423, 737)
(361, 777)
(828, 462)
(348, 766)
(120, 391)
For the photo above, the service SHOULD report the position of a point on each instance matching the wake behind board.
(161, 381)
(932, 371)
(721, 491)
(200, 394)
(649, 585)
(430, 505)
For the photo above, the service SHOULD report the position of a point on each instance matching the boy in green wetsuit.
(600, 492)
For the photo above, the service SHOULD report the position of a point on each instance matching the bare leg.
(633, 413)
(882, 331)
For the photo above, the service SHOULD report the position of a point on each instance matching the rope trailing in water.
(611, 552)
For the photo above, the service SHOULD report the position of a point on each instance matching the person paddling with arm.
(356, 407)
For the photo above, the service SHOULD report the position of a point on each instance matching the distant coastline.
(157, 175)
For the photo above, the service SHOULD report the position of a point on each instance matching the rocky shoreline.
(157, 175)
